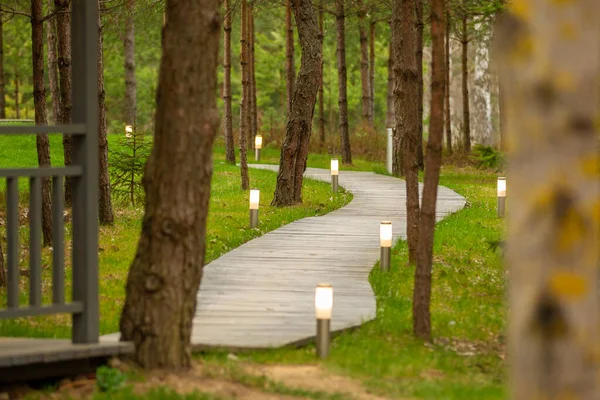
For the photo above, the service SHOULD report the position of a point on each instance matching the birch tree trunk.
(340, 25)
(465, 85)
(229, 142)
(550, 60)
(165, 276)
(372, 70)
(245, 98)
(364, 64)
(39, 100)
(129, 64)
(294, 151)
(53, 66)
(406, 102)
(433, 162)
(390, 118)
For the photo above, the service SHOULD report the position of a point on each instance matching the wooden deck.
(261, 295)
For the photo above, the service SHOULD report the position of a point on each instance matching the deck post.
(84, 25)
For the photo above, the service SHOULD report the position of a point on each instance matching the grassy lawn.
(465, 361)
(227, 229)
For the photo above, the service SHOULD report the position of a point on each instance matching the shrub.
(486, 157)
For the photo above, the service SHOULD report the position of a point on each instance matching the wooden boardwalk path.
(261, 294)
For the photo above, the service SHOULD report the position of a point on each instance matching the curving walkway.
(261, 294)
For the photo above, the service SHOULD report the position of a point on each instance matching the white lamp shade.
(258, 142)
(335, 166)
(501, 187)
(254, 199)
(128, 128)
(324, 301)
(385, 234)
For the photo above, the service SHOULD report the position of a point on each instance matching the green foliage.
(109, 379)
(127, 161)
(487, 157)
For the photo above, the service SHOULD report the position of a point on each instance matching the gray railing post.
(84, 25)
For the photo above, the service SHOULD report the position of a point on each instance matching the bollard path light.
(501, 196)
(335, 169)
(128, 130)
(385, 242)
(257, 147)
(389, 151)
(254, 200)
(323, 308)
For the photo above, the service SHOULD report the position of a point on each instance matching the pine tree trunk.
(419, 24)
(63, 29)
(406, 95)
(53, 66)
(340, 21)
(364, 64)
(289, 55)
(245, 98)
(17, 94)
(294, 151)
(253, 108)
(105, 210)
(390, 117)
(465, 87)
(422, 288)
(322, 83)
(129, 58)
(165, 276)
(39, 100)
(2, 81)
(372, 70)
(553, 215)
(229, 143)
(447, 92)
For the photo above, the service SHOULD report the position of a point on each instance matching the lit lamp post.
(501, 196)
(334, 174)
(385, 242)
(323, 308)
(128, 130)
(254, 199)
(257, 147)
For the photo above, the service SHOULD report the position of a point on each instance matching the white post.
(390, 151)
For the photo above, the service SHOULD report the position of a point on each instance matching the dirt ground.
(248, 382)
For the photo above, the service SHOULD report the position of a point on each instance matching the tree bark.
(39, 100)
(53, 66)
(105, 210)
(447, 85)
(465, 87)
(229, 143)
(372, 70)
(322, 83)
(253, 106)
(2, 81)
(289, 55)
(340, 19)
(364, 64)
(2, 267)
(294, 151)
(422, 288)
(390, 118)
(419, 24)
(245, 98)
(165, 276)
(63, 29)
(129, 59)
(553, 217)
(407, 113)
(17, 94)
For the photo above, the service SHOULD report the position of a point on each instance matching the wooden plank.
(261, 294)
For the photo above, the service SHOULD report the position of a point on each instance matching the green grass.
(464, 362)
(227, 229)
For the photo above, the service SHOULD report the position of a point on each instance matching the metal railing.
(84, 178)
